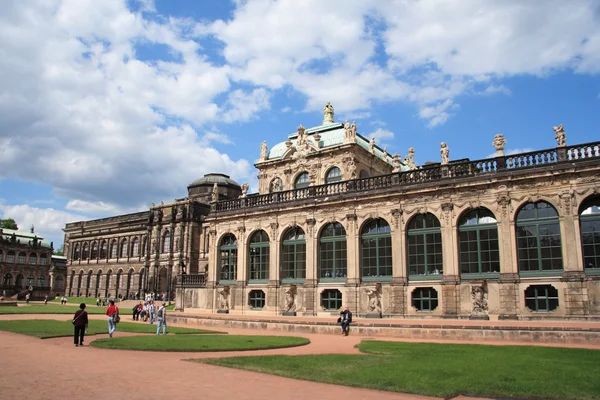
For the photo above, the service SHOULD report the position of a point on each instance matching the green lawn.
(444, 369)
(56, 309)
(54, 328)
(200, 343)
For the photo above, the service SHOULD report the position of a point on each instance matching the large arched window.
(276, 185)
(376, 249)
(94, 252)
(478, 242)
(8, 280)
(104, 249)
(44, 259)
(424, 246)
(10, 257)
(333, 175)
(144, 249)
(135, 247)
(259, 256)
(293, 254)
(228, 258)
(21, 258)
(85, 254)
(76, 252)
(538, 238)
(332, 252)
(589, 227)
(302, 181)
(166, 247)
(114, 249)
(33, 258)
(124, 247)
(98, 282)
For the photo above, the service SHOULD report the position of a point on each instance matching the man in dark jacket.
(80, 322)
(345, 320)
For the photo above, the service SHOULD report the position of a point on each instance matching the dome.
(211, 179)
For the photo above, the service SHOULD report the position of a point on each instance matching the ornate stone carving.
(274, 229)
(396, 214)
(447, 212)
(499, 143)
(349, 132)
(565, 200)
(264, 151)
(372, 145)
(445, 153)
(290, 299)
(215, 193)
(310, 225)
(276, 185)
(385, 154)
(328, 113)
(503, 204)
(317, 138)
(479, 297)
(410, 159)
(244, 189)
(396, 163)
(374, 299)
(351, 168)
(224, 295)
(560, 135)
(351, 218)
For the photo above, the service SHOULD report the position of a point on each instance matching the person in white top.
(162, 319)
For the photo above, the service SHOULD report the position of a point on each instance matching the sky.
(109, 106)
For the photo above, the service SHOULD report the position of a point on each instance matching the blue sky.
(106, 107)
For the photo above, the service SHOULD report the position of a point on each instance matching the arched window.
(41, 281)
(107, 283)
(30, 280)
(19, 280)
(478, 242)
(228, 258)
(302, 181)
(144, 248)
(33, 258)
(135, 247)
(8, 280)
(86, 252)
(424, 246)
(293, 254)
(44, 259)
(124, 248)
(76, 252)
(98, 282)
(21, 258)
(259, 256)
(104, 249)
(538, 238)
(376, 249)
(332, 252)
(166, 242)
(589, 227)
(130, 280)
(333, 175)
(114, 249)
(364, 173)
(119, 283)
(94, 253)
(276, 185)
(10, 257)
(88, 282)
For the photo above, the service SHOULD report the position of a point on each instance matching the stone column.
(451, 276)
(310, 282)
(397, 292)
(508, 284)
(242, 256)
(272, 301)
(352, 263)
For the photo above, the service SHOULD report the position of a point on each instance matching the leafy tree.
(60, 251)
(8, 223)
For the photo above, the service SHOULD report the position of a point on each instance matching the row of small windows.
(21, 258)
(122, 249)
(538, 298)
(537, 232)
(302, 181)
(103, 280)
(20, 281)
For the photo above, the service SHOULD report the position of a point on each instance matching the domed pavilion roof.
(212, 178)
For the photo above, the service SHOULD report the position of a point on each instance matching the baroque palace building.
(338, 221)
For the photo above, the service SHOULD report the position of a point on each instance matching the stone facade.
(28, 266)
(510, 237)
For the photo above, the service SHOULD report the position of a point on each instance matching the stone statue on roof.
(244, 189)
(410, 159)
(445, 153)
(560, 135)
(328, 114)
(215, 193)
(349, 132)
(372, 145)
(385, 154)
(499, 143)
(396, 163)
(264, 151)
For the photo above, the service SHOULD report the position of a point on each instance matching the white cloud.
(437, 114)
(493, 89)
(381, 134)
(242, 106)
(216, 137)
(98, 208)
(48, 222)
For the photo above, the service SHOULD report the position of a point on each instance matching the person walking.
(345, 320)
(112, 311)
(162, 319)
(80, 323)
(151, 312)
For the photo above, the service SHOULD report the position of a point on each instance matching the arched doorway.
(163, 283)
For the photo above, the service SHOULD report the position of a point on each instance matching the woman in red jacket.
(113, 316)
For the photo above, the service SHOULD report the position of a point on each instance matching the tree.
(60, 251)
(8, 223)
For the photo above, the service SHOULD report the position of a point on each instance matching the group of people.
(148, 312)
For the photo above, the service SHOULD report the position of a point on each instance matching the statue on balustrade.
(264, 151)
(560, 135)
(445, 153)
(499, 143)
(372, 145)
(244, 189)
(410, 159)
(328, 114)
(215, 193)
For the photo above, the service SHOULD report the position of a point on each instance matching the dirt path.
(55, 369)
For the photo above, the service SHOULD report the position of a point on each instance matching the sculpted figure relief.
(374, 296)
(264, 151)
(499, 143)
(396, 163)
(351, 167)
(290, 298)
(215, 193)
(410, 158)
(479, 296)
(560, 135)
(328, 114)
(372, 145)
(224, 298)
(445, 153)
(244, 189)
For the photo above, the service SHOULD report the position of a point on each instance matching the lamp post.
(183, 274)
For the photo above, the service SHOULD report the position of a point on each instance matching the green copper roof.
(23, 237)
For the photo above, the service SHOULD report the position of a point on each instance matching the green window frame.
(424, 247)
(541, 298)
(333, 175)
(539, 247)
(30, 280)
(10, 257)
(333, 263)
(33, 259)
(331, 299)
(41, 281)
(302, 181)
(293, 255)
(258, 256)
(376, 249)
(8, 280)
(256, 299)
(228, 259)
(425, 299)
(22, 257)
(589, 230)
(479, 251)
